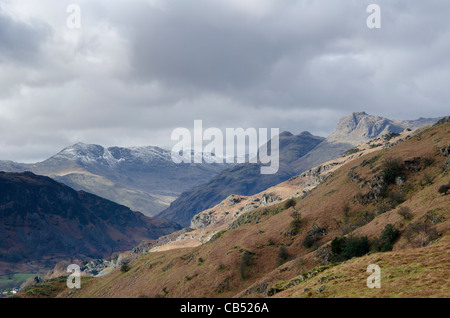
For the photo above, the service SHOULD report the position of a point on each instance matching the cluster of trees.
(344, 248)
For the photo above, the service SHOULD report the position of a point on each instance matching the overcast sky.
(137, 69)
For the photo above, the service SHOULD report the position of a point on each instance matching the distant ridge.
(142, 178)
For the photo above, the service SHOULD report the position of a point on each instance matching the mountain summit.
(359, 127)
(353, 130)
(112, 156)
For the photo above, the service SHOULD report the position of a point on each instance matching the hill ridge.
(42, 219)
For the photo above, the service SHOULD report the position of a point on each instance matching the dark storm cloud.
(137, 69)
(213, 46)
(299, 54)
(20, 42)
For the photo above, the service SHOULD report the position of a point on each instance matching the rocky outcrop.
(316, 233)
(147, 246)
(443, 120)
(268, 198)
(202, 220)
(282, 285)
(233, 199)
(353, 176)
(323, 255)
(376, 184)
(101, 267)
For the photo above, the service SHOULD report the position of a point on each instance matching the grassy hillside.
(414, 272)
(385, 200)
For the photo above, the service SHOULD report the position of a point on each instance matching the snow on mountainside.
(112, 156)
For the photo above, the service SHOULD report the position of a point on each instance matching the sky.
(135, 70)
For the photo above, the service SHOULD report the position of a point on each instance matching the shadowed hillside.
(44, 220)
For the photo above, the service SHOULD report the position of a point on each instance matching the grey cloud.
(21, 42)
(227, 53)
(137, 69)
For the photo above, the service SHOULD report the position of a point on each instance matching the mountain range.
(147, 180)
(207, 224)
(242, 179)
(383, 205)
(297, 154)
(45, 219)
(142, 178)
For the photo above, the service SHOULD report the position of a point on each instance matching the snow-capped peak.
(112, 156)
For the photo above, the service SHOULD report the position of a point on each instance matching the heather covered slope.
(267, 249)
(44, 220)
